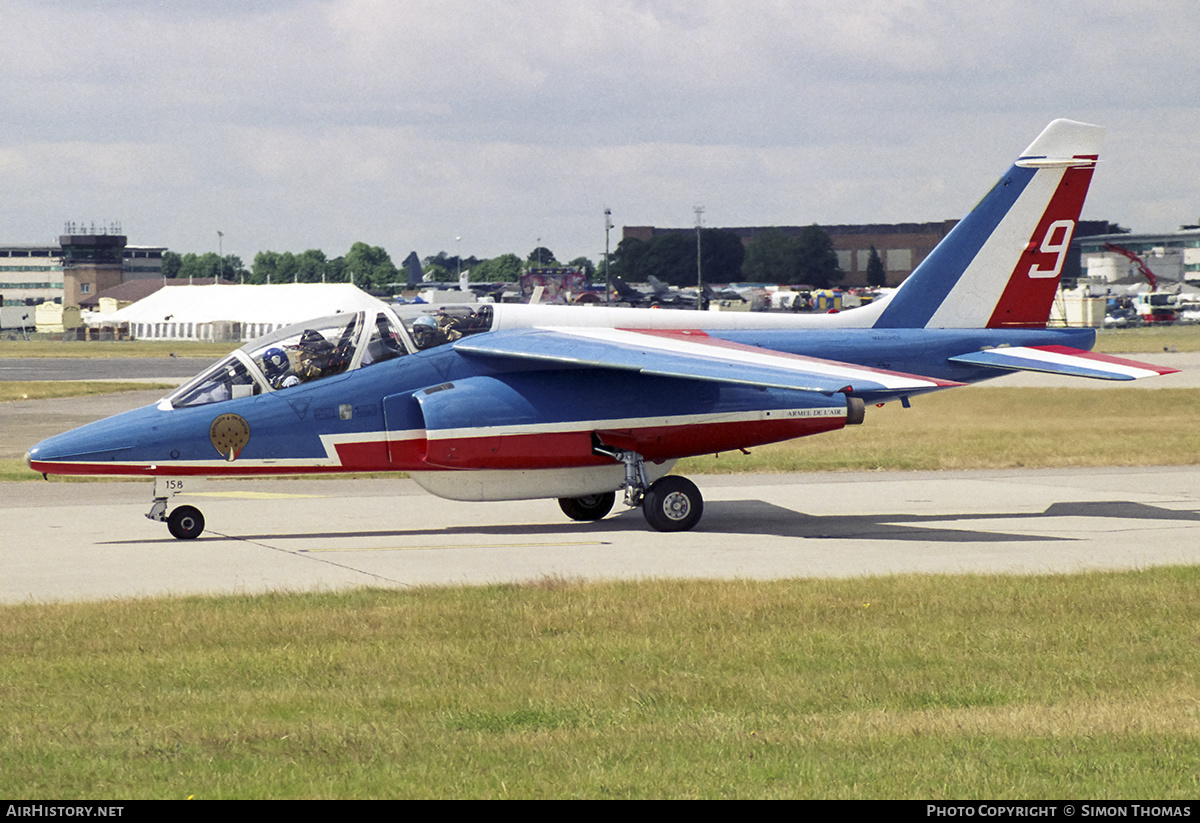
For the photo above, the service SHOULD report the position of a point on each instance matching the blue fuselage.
(401, 414)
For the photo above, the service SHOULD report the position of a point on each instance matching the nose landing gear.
(184, 522)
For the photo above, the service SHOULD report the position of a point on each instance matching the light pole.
(220, 255)
(699, 274)
(608, 224)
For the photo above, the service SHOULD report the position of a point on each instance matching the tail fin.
(415, 274)
(1000, 266)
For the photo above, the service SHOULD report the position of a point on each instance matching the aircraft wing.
(692, 355)
(1062, 360)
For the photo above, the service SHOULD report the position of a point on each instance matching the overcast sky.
(318, 123)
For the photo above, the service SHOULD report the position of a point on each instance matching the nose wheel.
(185, 523)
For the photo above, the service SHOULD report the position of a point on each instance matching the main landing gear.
(670, 504)
(592, 507)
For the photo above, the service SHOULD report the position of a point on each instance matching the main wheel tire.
(672, 504)
(592, 507)
(185, 523)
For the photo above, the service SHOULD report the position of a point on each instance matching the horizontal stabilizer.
(1062, 360)
(691, 355)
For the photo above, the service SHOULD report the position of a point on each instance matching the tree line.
(807, 258)
(369, 267)
(366, 266)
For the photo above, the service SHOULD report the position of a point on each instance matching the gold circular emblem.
(229, 434)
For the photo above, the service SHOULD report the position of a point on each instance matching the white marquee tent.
(234, 312)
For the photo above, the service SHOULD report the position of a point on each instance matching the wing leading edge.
(1062, 360)
(693, 355)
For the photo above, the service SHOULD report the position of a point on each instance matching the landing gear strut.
(670, 504)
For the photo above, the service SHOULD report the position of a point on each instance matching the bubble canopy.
(295, 355)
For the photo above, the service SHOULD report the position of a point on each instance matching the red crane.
(1137, 261)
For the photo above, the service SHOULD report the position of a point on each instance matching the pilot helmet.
(424, 331)
(275, 363)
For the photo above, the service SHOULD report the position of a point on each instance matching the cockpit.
(431, 328)
(327, 346)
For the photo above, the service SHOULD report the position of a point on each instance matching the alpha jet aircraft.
(576, 403)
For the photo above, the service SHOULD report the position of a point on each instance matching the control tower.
(92, 262)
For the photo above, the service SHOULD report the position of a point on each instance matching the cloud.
(321, 122)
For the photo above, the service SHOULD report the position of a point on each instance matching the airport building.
(901, 246)
(78, 266)
(30, 275)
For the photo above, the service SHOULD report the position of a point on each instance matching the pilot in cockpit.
(426, 333)
(278, 369)
(314, 355)
(449, 325)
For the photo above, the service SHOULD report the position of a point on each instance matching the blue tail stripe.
(925, 289)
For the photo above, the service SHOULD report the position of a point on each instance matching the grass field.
(125, 348)
(1148, 339)
(1081, 686)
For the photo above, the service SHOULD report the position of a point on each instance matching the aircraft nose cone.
(107, 441)
(28, 461)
